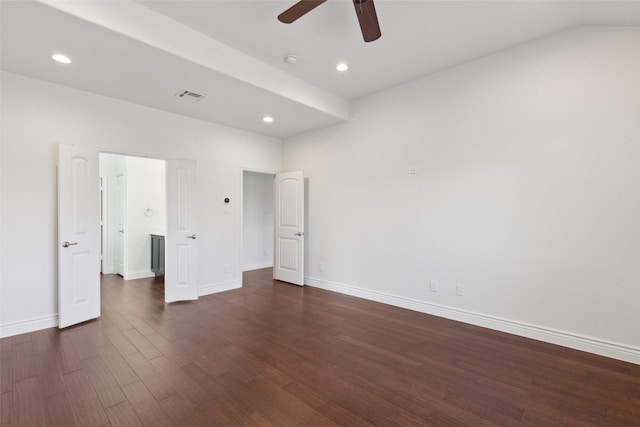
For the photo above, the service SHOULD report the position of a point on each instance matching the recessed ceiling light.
(342, 67)
(267, 119)
(61, 58)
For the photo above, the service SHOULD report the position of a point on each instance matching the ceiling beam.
(137, 22)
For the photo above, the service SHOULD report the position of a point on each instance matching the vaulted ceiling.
(232, 52)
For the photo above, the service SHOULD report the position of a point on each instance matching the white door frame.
(100, 150)
(130, 154)
(242, 171)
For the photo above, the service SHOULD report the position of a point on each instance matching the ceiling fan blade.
(299, 9)
(368, 19)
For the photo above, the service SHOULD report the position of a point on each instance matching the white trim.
(218, 287)
(619, 351)
(143, 274)
(26, 326)
(257, 266)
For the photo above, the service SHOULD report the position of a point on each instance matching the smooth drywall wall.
(37, 116)
(257, 218)
(527, 192)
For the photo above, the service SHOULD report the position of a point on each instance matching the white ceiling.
(232, 51)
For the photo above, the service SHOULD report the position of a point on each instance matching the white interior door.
(181, 263)
(119, 240)
(289, 227)
(78, 235)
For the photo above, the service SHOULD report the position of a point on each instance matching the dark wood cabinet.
(157, 254)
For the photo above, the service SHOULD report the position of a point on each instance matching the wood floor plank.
(6, 404)
(272, 354)
(85, 403)
(58, 411)
(121, 342)
(139, 324)
(6, 344)
(236, 408)
(304, 413)
(325, 405)
(102, 382)
(22, 338)
(171, 350)
(42, 342)
(145, 405)
(69, 360)
(6, 370)
(183, 385)
(84, 344)
(27, 403)
(143, 345)
(49, 376)
(159, 385)
(118, 366)
(123, 415)
(208, 412)
(23, 361)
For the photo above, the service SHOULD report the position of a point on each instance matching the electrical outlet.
(226, 268)
(460, 290)
(322, 266)
(412, 170)
(433, 286)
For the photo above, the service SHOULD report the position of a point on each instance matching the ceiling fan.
(365, 10)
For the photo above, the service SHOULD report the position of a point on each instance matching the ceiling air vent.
(187, 94)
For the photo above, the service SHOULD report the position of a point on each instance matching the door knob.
(67, 244)
(193, 236)
(299, 234)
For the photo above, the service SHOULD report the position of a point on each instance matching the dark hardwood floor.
(273, 354)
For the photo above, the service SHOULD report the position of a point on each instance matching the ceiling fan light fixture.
(365, 10)
(342, 67)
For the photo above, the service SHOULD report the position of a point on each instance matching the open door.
(78, 235)
(181, 264)
(119, 236)
(289, 227)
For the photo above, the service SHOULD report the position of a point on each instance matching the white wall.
(36, 116)
(257, 245)
(527, 192)
(145, 180)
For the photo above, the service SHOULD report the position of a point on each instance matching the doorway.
(133, 194)
(257, 220)
(79, 232)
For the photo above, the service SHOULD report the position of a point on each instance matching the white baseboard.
(567, 339)
(31, 325)
(257, 266)
(143, 274)
(219, 287)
